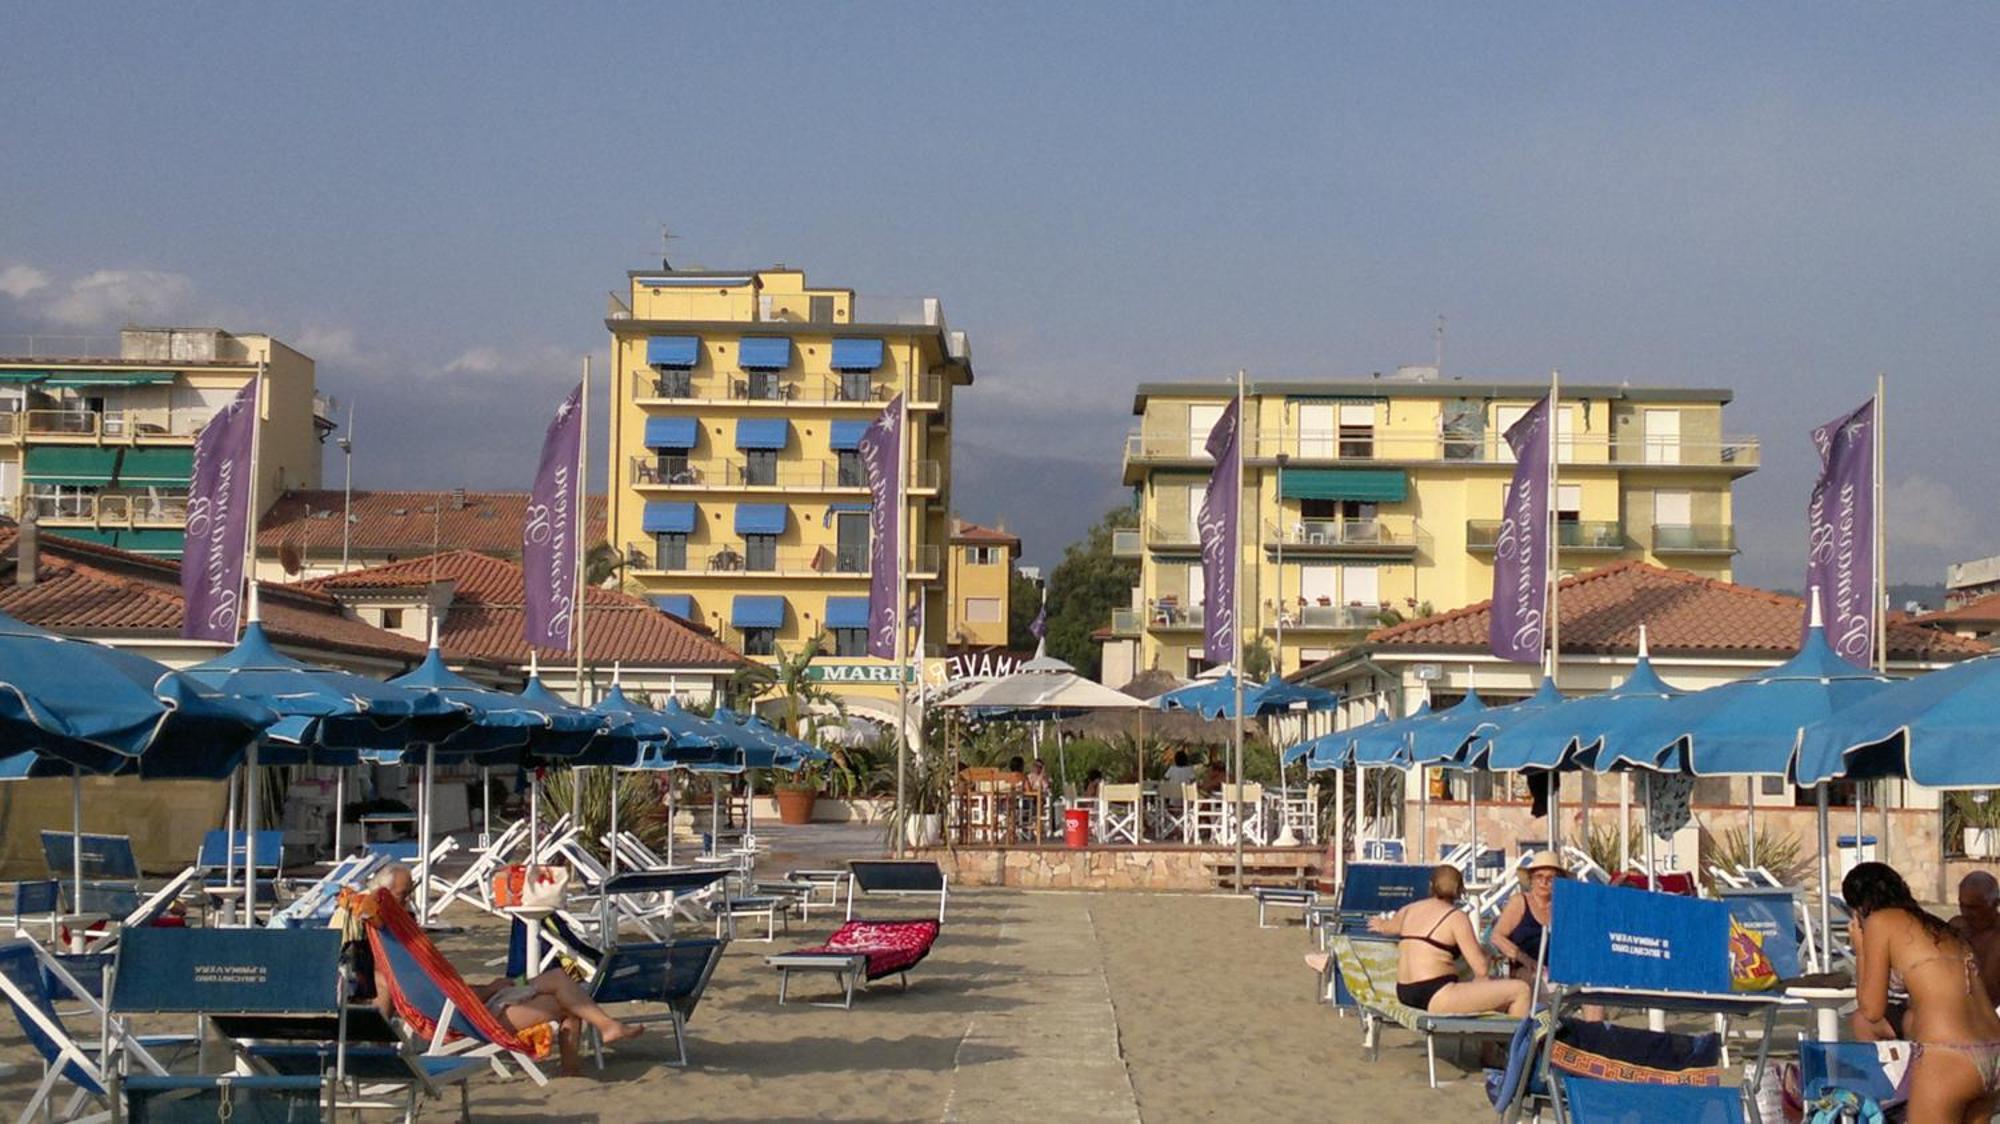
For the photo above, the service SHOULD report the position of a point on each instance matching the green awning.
(80, 464)
(159, 542)
(1368, 485)
(84, 534)
(161, 466)
(23, 376)
(108, 378)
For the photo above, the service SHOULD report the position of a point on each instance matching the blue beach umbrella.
(1937, 730)
(1216, 698)
(1466, 741)
(1389, 744)
(577, 735)
(1566, 736)
(1448, 730)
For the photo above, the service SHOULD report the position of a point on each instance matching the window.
(1663, 436)
(1357, 432)
(764, 386)
(983, 556)
(760, 467)
(857, 386)
(850, 641)
(673, 384)
(760, 552)
(392, 619)
(671, 467)
(850, 472)
(760, 641)
(1319, 509)
(1201, 422)
(1673, 518)
(851, 543)
(982, 610)
(820, 309)
(670, 551)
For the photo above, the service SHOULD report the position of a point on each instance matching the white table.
(532, 916)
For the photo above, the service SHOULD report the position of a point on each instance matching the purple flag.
(1521, 550)
(218, 519)
(549, 534)
(1840, 533)
(1039, 627)
(882, 456)
(1219, 542)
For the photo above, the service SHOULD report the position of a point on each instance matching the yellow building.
(981, 562)
(97, 437)
(737, 489)
(1382, 498)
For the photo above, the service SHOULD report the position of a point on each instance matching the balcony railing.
(1588, 534)
(1126, 543)
(1698, 538)
(1127, 622)
(1169, 614)
(11, 423)
(856, 388)
(787, 561)
(731, 474)
(117, 425)
(1171, 535)
(1372, 446)
(117, 509)
(1345, 618)
(1384, 533)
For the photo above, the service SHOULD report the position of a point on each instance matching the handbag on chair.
(530, 886)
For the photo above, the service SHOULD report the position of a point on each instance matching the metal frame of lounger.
(468, 1043)
(472, 884)
(1374, 999)
(620, 962)
(380, 1061)
(911, 887)
(1285, 897)
(36, 899)
(64, 1057)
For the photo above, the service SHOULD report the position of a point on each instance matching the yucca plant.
(1781, 853)
(641, 803)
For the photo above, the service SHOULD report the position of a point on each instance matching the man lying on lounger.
(552, 997)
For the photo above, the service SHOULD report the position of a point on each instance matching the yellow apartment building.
(97, 435)
(1370, 502)
(981, 561)
(737, 489)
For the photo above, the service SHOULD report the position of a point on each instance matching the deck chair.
(110, 870)
(896, 878)
(33, 980)
(1591, 1100)
(674, 974)
(651, 900)
(431, 997)
(1368, 967)
(220, 850)
(314, 904)
(34, 903)
(1177, 813)
(1119, 807)
(469, 885)
(861, 952)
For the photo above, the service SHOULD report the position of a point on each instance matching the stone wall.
(1186, 869)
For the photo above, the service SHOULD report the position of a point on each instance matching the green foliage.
(1973, 809)
(602, 563)
(1783, 854)
(641, 803)
(1083, 589)
(1024, 600)
(1601, 844)
(1257, 662)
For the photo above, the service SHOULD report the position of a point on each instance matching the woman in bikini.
(1518, 933)
(1955, 1065)
(1431, 936)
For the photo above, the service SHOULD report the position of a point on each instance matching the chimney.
(458, 499)
(27, 550)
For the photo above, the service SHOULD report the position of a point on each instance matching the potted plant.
(797, 794)
(1979, 814)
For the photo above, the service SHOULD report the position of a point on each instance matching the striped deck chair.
(435, 1001)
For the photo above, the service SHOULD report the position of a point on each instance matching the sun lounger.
(674, 975)
(1590, 1100)
(34, 981)
(1368, 968)
(896, 878)
(34, 903)
(860, 952)
(1282, 897)
(315, 903)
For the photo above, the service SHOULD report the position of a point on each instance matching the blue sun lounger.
(34, 981)
(897, 878)
(674, 974)
(315, 904)
(110, 871)
(1590, 1100)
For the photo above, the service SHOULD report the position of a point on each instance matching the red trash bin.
(1076, 828)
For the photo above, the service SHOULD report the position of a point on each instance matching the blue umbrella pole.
(670, 818)
(76, 838)
(229, 837)
(424, 835)
(485, 807)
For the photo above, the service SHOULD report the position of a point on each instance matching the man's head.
(1979, 899)
(397, 879)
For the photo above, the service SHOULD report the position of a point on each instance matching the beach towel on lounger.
(891, 946)
(396, 939)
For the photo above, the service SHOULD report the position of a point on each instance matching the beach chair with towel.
(673, 974)
(1634, 1059)
(860, 952)
(1368, 969)
(34, 981)
(1368, 889)
(896, 878)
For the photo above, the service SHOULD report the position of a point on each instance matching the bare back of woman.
(1435, 935)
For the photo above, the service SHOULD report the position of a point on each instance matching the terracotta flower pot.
(795, 806)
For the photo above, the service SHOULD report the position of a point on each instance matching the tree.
(1083, 589)
(1024, 600)
(602, 563)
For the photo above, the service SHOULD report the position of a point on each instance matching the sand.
(1034, 1006)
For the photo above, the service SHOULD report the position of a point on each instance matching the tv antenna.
(1439, 333)
(667, 238)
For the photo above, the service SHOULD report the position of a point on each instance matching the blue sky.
(433, 200)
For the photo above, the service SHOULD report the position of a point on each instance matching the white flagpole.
(1551, 608)
(1236, 634)
(578, 533)
(250, 578)
(901, 524)
(1881, 546)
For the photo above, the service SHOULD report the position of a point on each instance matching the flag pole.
(250, 578)
(901, 524)
(1551, 608)
(578, 534)
(1236, 634)
(1881, 591)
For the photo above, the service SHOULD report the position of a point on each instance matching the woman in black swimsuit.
(1431, 936)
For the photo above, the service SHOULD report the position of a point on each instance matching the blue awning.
(846, 434)
(757, 612)
(857, 355)
(672, 433)
(846, 612)
(764, 353)
(679, 604)
(834, 509)
(760, 518)
(668, 519)
(763, 433)
(678, 352)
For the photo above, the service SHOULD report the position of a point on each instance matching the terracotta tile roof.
(86, 588)
(968, 532)
(398, 522)
(1684, 614)
(485, 617)
(1980, 610)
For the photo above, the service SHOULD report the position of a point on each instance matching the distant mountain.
(1049, 501)
(1930, 595)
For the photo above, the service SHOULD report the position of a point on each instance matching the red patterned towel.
(891, 946)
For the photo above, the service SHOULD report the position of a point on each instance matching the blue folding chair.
(34, 981)
(1589, 1100)
(314, 905)
(1367, 890)
(110, 871)
(222, 852)
(37, 903)
(674, 974)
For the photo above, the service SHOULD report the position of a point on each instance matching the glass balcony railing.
(1586, 534)
(1369, 446)
(725, 475)
(1127, 543)
(114, 509)
(1696, 538)
(1344, 618)
(1127, 622)
(132, 425)
(1384, 533)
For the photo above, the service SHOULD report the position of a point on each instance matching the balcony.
(1171, 536)
(1127, 543)
(1167, 614)
(1331, 618)
(1127, 622)
(165, 425)
(1697, 538)
(1182, 449)
(111, 509)
(741, 475)
(741, 560)
(1571, 535)
(1391, 536)
(853, 390)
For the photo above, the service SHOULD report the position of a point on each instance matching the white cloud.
(327, 344)
(18, 281)
(528, 359)
(476, 361)
(1926, 515)
(110, 298)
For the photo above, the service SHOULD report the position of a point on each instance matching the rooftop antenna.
(667, 237)
(1439, 333)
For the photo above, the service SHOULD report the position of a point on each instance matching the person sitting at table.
(1179, 773)
(1092, 781)
(1978, 924)
(1432, 934)
(1955, 1060)
(1038, 782)
(1017, 765)
(1517, 934)
(1212, 783)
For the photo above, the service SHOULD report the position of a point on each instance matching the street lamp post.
(347, 489)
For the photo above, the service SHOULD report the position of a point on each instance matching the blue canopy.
(575, 734)
(761, 518)
(1335, 750)
(1438, 739)
(857, 354)
(1389, 744)
(1750, 727)
(1465, 741)
(846, 612)
(1216, 698)
(681, 352)
(325, 715)
(1560, 737)
(1937, 730)
(757, 611)
(846, 433)
(495, 720)
(764, 353)
(763, 433)
(672, 433)
(671, 518)
(678, 604)
(104, 710)
(662, 733)
(762, 746)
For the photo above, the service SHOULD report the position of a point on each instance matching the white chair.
(1244, 806)
(1119, 807)
(1177, 804)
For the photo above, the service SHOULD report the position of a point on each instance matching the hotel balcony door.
(851, 531)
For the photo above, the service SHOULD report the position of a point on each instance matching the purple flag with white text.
(1840, 533)
(549, 534)
(218, 519)
(1521, 548)
(1220, 548)
(881, 454)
